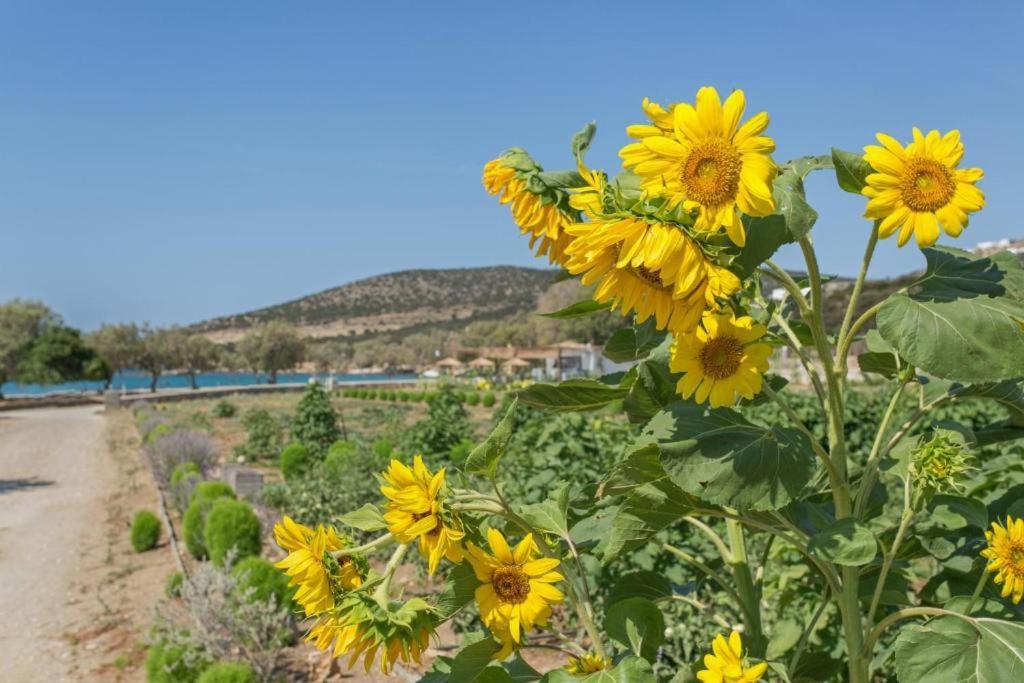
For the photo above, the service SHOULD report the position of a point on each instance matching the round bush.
(231, 524)
(181, 469)
(403, 396)
(210, 490)
(182, 491)
(225, 409)
(161, 430)
(193, 523)
(488, 399)
(265, 580)
(295, 460)
(145, 531)
(383, 448)
(228, 672)
(172, 586)
(472, 398)
(167, 663)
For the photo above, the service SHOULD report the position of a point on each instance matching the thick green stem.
(383, 592)
(851, 307)
(977, 592)
(908, 514)
(748, 592)
(867, 480)
(375, 543)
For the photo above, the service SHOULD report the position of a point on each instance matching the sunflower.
(707, 162)
(537, 215)
(918, 188)
(726, 664)
(721, 359)
(1005, 555)
(415, 512)
(650, 269)
(360, 627)
(587, 663)
(310, 565)
(515, 592)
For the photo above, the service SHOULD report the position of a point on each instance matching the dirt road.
(75, 599)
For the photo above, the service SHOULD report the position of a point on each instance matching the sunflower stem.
(977, 592)
(382, 593)
(745, 586)
(375, 543)
(845, 335)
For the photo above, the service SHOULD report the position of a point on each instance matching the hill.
(403, 302)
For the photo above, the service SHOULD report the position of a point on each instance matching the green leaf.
(636, 623)
(633, 343)
(954, 650)
(366, 518)
(630, 669)
(791, 202)
(640, 466)
(952, 513)
(548, 515)
(571, 396)
(471, 661)
(643, 584)
(646, 511)
(764, 237)
(851, 170)
(653, 389)
(724, 459)
(963, 321)
(874, 363)
(459, 590)
(578, 310)
(846, 542)
(484, 458)
(581, 140)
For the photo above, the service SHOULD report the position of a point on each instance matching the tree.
(281, 348)
(248, 351)
(119, 346)
(59, 354)
(330, 356)
(21, 323)
(199, 354)
(161, 351)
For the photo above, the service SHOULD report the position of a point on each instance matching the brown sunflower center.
(651, 277)
(511, 584)
(1015, 553)
(721, 357)
(711, 174)
(926, 184)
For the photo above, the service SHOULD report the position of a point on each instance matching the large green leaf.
(638, 624)
(571, 396)
(549, 515)
(578, 310)
(470, 662)
(646, 511)
(955, 650)
(724, 459)
(633, 343)
(640, 466)
(484, 458)
(653, 389)
(846, 542)
(851, 170)
(643, 584)
(963, 320)
(459, 590)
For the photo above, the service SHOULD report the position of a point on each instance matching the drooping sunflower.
(587, 663)
(537, 215)
(1005, 555)
(360, 627)
(726, 665)
(310, 565)
(707, 162)
(516, 591)
(415, 512)
(721, 360)
(650, 269)
(916, 189)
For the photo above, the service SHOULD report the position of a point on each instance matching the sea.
(129, 381)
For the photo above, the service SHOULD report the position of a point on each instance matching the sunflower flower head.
(539, 211)
(939, 463)
(516, 586)
(587, 663)
(361, 627)
(316, 574)
(726, 664)
(706, 161)
(918, 188)
(416, 512)
(721, 360)
(1005, 555)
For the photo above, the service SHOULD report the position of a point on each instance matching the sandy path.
(62, 540)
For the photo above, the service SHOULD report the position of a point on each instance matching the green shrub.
(446, 424)
(162, 429)
(168, 663)
(225, 409)
(172, 586)
(181, 492)
(371, 394)
(460, 451)
(472, 398)
(295, 460)
(315, 423)
(229, 672)
(488, 399)
(193, 523)
(264, 434)
(403, 396)
(181, 469)
(264, 580)
(383, 448)
(231, 524)
(145, 531)
(338, 456)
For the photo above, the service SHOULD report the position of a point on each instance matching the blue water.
(136, 380)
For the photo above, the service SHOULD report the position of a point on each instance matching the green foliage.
(210, 490)
(955, 649)
(295, 460)
(473, 398)
(59, 354)
(264, 434)
(264, 580)
(159, 431)
(174, 663)
(172, 585)
(225, 409)
(488, 399)
(193, 522)
(229, 672)
(145, 531)
(183, 469)
(445, 426)
(315, 423)
(231, 524)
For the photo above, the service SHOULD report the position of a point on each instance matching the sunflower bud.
(939, 464)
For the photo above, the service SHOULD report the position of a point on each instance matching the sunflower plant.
(917, 570)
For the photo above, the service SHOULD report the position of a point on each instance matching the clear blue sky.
(178, 160)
